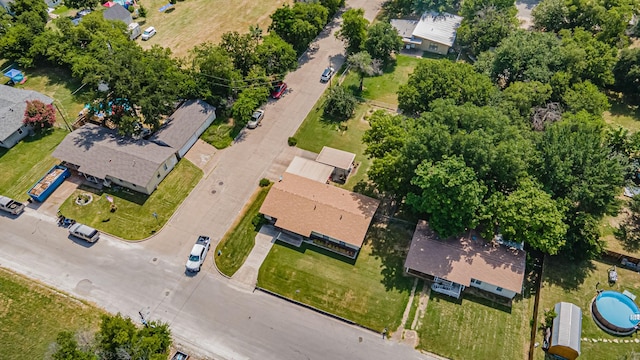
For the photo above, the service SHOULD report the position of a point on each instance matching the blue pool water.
(618, 309)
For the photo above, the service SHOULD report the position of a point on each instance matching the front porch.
(297, 240)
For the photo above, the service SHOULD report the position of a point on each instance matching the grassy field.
(193, 22)
(370, 290)
(383, 88)
(475, 328)
(576, 283)
(32, 315)
(133, 220)
(238, 242)
(25, 163)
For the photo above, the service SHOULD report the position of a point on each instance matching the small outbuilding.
(342, 162)
(566, 331)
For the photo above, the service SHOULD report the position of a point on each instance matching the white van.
(134, 30)
(148, 33)
(84, 232)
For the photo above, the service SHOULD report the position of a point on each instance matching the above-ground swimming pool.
(615, 313)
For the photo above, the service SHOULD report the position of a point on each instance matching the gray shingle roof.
(99, 151)
(13, 103)
(118, 12)
(183, 123)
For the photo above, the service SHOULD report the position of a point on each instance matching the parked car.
(84, 232)
(278, 90)
(327, 74)
(198, 254)
(256, 118)
(148, 33)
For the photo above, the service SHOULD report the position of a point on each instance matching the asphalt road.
(219, 317)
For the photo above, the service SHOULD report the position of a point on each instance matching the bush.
(292, 141)
(39, 115)
(258, 221)
(340, 103)
(142, 11)
(131, 9)
(264, 182)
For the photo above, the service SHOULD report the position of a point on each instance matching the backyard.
(475, 328)
(24, 164)
(370, 290)
(623, 114)
(576, 282)
(134, 218)
(193, 22)
(237, 243)
(33, 315)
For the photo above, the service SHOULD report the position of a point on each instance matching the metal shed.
(566, 331)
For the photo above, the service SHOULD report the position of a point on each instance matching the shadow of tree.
(566, 274)
(629, 233)
(390, 242)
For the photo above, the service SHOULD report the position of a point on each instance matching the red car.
(278, 90)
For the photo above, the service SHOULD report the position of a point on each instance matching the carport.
(310, 169)
(341, 160)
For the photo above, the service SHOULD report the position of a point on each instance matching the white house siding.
(493, 289)
(195, 136)
(14, 138)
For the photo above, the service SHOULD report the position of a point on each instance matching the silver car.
(256, 118)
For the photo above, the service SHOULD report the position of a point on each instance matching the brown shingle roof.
(459, 259)
(336, 158)
(100, 151)
(302, 205)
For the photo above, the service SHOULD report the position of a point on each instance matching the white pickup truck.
(11, 206)
(198, 254)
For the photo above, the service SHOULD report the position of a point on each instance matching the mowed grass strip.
(220, 133)
(370, 291)
(32, 315)
(237, 243)
(24, 164)
(193, 22)
(475, 328)
(576, 282)
(133, 219)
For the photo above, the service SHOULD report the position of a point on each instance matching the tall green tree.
(299, 24)
(81, 4)
(627, 73)
(67, 348)
(363, 65)
(587, 58)
(353, 30)
(586, 96)
(275, 55)
(383, 41)
(529, 215)
(216, 71)
(340, 103)
(451, 195)
(241, 47)
(443, 79)
(486, 27)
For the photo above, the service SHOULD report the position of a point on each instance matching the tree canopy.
(353, 30)
(382, 41)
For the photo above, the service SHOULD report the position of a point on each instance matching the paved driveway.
(524, 12)
(205, 311)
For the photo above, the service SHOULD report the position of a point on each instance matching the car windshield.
(326, 72)
(146, 32)
(256, 114)
(194, 258)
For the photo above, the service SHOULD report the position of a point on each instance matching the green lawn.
(134, 220)
(220, 133)
(370, 290)
(32, 315)
(573, 282)
(475, 328)
(383, 88)
(58, 84)
(238, 242)
(24, 164)
(316, 132)
(623, 114)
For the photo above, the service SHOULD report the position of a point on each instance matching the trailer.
(45, 186)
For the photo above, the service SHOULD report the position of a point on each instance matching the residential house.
(433, 32)
(13, 103)
(118, 12)
(104, 157)
(466, 262)
(311, 211)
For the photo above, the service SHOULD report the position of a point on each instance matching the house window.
(498, 289)
(477, 282)
(158, 176)
(20, 131)
(165, 167)
(433, 47)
